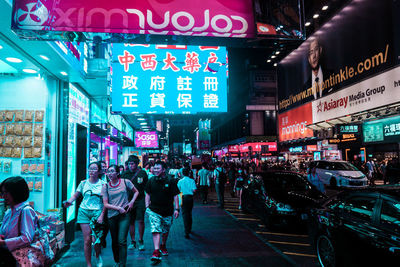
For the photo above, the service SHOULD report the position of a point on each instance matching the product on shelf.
(24, 166)
(2, 128)
(18, 128)
(16, 152)
(36, 152)
(7, 166)
(38, 130)
(9, 129)
(38, 141)
(8, 115)
(27, 152)
(19, 115)
(27, 129)
(27, 141)
(18, 140)
(38, 184)
(39, 114)
(30, 181)
(29, 115)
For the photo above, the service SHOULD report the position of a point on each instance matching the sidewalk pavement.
(217, 240)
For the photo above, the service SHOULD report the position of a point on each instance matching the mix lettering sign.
(385, 130)
(222, 18)
(146, 139)
(169, 79)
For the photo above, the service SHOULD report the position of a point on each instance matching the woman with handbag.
(116, 201)
(19, 226)
(90, 208)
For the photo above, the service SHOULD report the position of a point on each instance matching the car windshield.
(343, 166)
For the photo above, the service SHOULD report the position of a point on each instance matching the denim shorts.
(84, 215)
(158, 223)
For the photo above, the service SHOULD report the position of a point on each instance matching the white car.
(339, 173)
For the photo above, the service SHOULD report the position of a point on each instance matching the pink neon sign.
(217, 18)
(146, 139)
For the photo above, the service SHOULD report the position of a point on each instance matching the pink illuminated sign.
(222, 18)
(146, 139)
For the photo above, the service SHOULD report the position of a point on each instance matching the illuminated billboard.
(146, 139)
(385, 130)
(169, 79)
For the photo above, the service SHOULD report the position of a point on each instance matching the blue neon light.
(165, 79)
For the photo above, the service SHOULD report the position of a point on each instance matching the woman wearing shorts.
(115, 199)
(239, 183)
(90, 207)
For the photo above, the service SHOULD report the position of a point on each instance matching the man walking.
(161, 203)
(220, 180)
(139, 179)
(204, 181)
(187, 186)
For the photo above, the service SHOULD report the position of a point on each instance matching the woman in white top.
(90, 207)
(314, 178)
(116, 200)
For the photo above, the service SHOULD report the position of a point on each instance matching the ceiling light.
(1, 47)
(307, 23)
(325, 7)
(13, 60)
(269, 60)
(277, 53)
(141, 119)
(44, 57)
(29, 71)
(315, 16)
(273, 56)
(64, 73)
(275, 65)
(143, 123)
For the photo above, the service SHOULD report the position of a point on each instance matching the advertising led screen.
(222, 18)
(385, 130)
(292, 124)
(341, 53)
(169, 79)
(146, 139)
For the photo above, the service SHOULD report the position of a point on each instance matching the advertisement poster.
(292, 124)
(169, 79)
(222, 18)
(385, 130)
(146, 139)
(349, 48)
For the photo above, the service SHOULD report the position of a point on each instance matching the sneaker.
(156, 255)
(99, 261)
(132, 245)
(163, 250)
(141, 245)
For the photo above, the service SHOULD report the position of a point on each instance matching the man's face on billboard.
(314, 54)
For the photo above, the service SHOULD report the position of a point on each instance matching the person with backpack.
(220, 181)
(91, 208)
(116, 201)
(18, 231)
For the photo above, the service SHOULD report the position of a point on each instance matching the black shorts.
(138, 210)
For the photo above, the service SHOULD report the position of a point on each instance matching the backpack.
(222, 177)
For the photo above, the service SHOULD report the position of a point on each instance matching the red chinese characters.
(126, 60)
(169, 62)
(148, 62)
(192, 62)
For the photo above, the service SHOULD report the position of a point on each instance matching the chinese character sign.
(146, 139)
(169, 79)
(385, 130)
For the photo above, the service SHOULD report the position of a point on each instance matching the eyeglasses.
(93, 170)
(111, 171)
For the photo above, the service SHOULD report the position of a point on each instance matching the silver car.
(339, 173)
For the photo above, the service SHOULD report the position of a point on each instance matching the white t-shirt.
(91, 193)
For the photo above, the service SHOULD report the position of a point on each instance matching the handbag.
(39, 252)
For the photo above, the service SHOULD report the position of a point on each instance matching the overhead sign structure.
(146, 139)
(50, 19)
(169, 79)
(374, 92)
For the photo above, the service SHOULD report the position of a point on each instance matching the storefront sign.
(233, 149)
(222, 18)
(169, 79)
(386, 130)
(378, 91)
(146, 139)
(296, 149)
(292, 124)
(312, 148)
(341, 63)
(348, 128)
(257, 147)
(344, 138)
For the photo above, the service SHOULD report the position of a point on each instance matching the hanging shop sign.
(344, 138)
(223, 18)
(385, 130)
(311, 148)
(348, 129)
(327, 62)
(162, 79)
(374, 92)
(296, 149)
(292, 124)
(146, 139)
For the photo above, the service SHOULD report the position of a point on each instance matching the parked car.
(280, 197)
(339, 173)
(358, 228)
